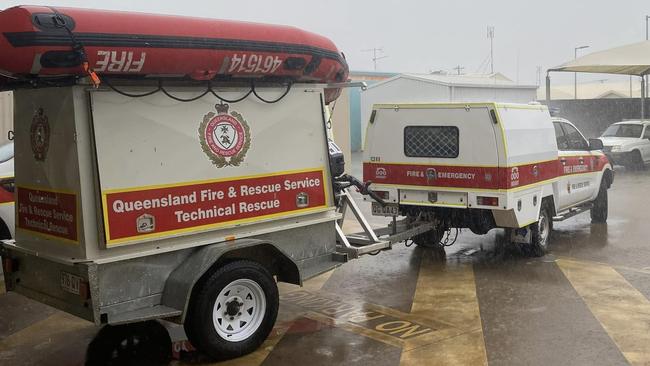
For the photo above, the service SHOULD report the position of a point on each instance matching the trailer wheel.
(541, 232)
(136, 343)
(233, 310)
(430, 239)
(599, 210)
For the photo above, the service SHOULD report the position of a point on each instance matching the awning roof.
(631, 59)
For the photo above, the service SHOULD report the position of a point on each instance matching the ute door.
(564, 197)
(577, 167)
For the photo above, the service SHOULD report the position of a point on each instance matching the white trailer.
(134, 206)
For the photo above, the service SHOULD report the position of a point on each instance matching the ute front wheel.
(233, 310)
(599, 210)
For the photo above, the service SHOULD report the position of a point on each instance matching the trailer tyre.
(430, 239)
(233, 310)
(541, 232)
(599, 210)
(135, 343)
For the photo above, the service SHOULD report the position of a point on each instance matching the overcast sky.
(420, 36)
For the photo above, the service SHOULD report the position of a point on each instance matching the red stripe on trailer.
(192, 207)
(47, 212)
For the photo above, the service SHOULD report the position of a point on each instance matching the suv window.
(574, 138)
(646, 134)
(431, 141)
(562, 143)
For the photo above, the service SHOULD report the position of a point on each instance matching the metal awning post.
(548, 89)
(642, 97)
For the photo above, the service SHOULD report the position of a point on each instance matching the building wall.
(400, 91)
(514, 95)
(6, 115)
(593, 116)
(405, 90)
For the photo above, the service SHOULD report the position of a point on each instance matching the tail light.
(487, 201)
(9, 265)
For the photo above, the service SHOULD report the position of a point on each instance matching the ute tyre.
(233, 310)
(541, 233)
(635, 161)
(430, 239)
(600, 209)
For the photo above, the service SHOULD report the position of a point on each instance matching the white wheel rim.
(239, 310)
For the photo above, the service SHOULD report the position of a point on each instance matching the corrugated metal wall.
(6, 115)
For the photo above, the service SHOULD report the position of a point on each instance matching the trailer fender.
(181, 282)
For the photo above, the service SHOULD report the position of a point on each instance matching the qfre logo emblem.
(381, 173)
(431, 174)
(115, 61)
(39, 135)
(514, 177)
(225, 137)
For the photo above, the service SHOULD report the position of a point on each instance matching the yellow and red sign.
(157, 211)
(47, 212)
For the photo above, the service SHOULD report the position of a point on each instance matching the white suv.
(628, 143)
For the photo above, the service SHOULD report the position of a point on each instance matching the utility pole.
(539, 76)
(575, 74)
(459, 69)
(375, 58)
(490, 35)
(644, 78)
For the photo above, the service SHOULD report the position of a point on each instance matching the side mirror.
(595, 144)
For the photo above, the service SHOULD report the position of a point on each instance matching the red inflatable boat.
(45, 42)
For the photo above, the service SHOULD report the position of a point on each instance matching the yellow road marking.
(380, 323)
(447, 293)
(257, 357)
(621, 309)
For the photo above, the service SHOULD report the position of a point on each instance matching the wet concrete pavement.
(585, 303)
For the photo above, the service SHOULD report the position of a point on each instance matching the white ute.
(482, 166)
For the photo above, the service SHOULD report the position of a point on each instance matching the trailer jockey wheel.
(431, 239)
(541, 232)
(233, 310)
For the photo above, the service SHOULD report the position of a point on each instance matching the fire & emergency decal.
(39, 135)
(225, 137)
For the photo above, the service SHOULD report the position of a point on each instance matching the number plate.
(70, 283)
(388, 210)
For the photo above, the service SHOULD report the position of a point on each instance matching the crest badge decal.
(225, 137)
(39, 135)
